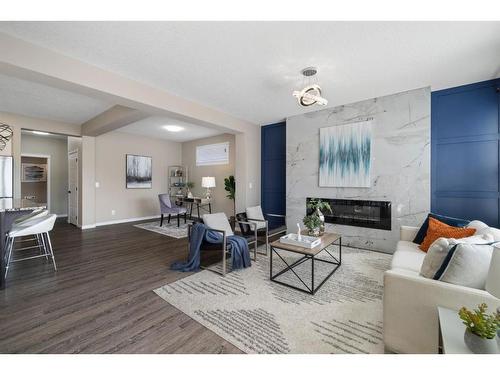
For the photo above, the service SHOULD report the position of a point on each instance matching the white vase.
(322, 219)
(480, 345)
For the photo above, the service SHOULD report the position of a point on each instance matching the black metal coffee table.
(327, 240)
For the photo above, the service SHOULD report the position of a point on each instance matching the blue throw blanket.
(240, 255)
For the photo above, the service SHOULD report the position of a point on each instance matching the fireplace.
(358, 213)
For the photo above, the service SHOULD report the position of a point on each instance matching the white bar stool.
(39, 227)
(23, 219)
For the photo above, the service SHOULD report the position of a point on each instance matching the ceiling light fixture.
(311, 94)
(173, 128)
(39, 132)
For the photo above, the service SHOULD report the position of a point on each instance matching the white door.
(73, 188)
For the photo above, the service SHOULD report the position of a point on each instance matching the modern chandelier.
(310, 94)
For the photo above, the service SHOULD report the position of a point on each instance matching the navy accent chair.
(169, 208)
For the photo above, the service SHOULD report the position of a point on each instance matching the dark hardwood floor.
(101, 298)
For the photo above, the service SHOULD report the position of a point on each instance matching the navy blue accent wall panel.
(465, 152)
(273, 171)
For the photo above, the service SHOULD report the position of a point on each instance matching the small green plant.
(479, 322)
(318, 204)
(190, 185)
(230, 187)
(312, 222)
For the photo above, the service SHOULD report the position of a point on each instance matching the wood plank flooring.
(101, 300)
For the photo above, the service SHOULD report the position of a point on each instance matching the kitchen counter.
(11, 204)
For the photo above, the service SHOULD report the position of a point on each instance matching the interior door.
(73, 188)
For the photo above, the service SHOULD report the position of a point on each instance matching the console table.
(199, 202)
(10, 210)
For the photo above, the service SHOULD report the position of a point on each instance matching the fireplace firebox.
(358, 213)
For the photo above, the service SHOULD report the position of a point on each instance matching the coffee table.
(327, 240)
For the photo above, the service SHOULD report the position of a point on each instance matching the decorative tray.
(306, 241)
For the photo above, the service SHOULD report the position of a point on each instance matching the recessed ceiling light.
(173, 128)
(40, 133)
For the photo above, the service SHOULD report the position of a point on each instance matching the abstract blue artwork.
(345, 155)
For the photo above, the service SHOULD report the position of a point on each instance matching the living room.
(339, 196)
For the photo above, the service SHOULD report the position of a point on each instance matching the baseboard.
(121, 221)
(90, 226)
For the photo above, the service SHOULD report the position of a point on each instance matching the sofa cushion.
(453, 221)
(256, 213)
(439, 229)
(440, 248)
(466, 265)
(408, 257)
(218, 221)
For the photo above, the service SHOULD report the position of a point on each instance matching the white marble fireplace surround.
(400, 163)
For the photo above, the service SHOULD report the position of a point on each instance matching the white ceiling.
(45, 102)
(153, 127)
(249, 69)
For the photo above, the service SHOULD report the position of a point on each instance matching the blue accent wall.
(465, 152)
(273, 170)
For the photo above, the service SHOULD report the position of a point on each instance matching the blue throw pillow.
(453, 221)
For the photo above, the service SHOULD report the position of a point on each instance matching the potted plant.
(318, 207)
(481, 329)
(313, 223)
(189, 186)
(230, 187)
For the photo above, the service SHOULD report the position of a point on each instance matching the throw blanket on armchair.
(240, 255)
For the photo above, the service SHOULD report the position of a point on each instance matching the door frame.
(31, 155)
(74, 154)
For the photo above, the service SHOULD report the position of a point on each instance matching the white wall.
(57, 149)
(112, 194)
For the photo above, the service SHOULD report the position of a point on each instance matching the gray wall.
(400, 163)
(57, 148)
(195, 173)
(112, 194)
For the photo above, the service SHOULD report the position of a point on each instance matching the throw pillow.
(256, 213)
(218, 221)
(439, 249)
(439, 229)
(445, 219)
(466, 265)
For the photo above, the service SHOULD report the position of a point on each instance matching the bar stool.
(23, 219)
(39, 227)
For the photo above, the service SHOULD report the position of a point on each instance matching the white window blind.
(214, 154)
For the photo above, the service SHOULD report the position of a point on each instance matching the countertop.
(10, 204)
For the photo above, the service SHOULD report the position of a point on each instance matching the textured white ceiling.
(249, 69)
(153, 127)
(41, 101)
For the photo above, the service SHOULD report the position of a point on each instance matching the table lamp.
(493, 280)
(208, 182)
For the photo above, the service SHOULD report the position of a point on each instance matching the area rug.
(170, 230)
(260, 316)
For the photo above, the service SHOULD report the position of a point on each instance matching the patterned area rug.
(260, 316)
(170, 230)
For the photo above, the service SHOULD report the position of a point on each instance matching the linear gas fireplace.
(358, 213)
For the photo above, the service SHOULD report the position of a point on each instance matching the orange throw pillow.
(439, 229)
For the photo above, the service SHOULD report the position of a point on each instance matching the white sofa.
(410, 300)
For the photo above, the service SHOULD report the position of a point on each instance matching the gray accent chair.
(169, 208)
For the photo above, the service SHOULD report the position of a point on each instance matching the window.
(214, 154)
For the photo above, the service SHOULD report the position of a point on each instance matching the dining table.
(10, 210)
